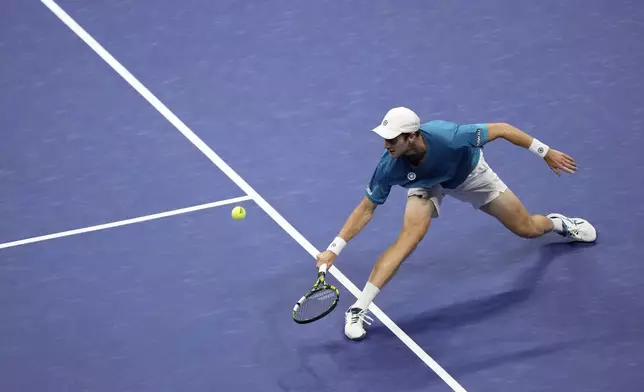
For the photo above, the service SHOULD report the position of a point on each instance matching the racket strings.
(316, 304)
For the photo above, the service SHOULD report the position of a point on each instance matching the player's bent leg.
(512, 214)
(484, 190)
(509, 210)
(418, 215)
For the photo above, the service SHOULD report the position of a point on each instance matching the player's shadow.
(477, 309)
(495, 360)
(341, 357)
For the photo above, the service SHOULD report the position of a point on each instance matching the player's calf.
(507, 208)
(532, 226)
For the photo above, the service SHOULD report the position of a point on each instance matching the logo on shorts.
(411, 176)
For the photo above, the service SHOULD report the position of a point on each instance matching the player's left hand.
(557, 161)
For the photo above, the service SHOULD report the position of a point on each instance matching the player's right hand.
(327, 257)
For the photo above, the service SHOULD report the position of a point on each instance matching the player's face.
(398, 146)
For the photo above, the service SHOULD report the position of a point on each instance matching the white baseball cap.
(398, 120)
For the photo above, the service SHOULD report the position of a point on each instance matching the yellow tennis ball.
(239, 213)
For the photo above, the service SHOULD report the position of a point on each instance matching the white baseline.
(223, 166)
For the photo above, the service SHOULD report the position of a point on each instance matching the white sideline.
(223, 166)
(123, 222)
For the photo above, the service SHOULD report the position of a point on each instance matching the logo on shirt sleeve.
(478, 136)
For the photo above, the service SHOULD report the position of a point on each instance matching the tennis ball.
(238, 213)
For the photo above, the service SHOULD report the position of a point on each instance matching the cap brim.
(385, 132)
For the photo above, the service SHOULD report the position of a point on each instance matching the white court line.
(223, 166)
(123, 222)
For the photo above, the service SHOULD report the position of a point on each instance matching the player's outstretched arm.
(358, 219)
(557, 160)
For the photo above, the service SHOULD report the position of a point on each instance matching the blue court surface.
(282, 96)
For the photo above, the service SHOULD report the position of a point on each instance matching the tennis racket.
(321, 299)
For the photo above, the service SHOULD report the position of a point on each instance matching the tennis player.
(436, 159)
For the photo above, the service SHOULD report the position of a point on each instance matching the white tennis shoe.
(353, 323)
(577, 229)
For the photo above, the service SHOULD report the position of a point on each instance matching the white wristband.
(539, 148)
(337, 245)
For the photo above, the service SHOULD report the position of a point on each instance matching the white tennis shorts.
(479, 188)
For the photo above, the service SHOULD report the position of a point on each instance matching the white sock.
(366, 297)
(558, 225)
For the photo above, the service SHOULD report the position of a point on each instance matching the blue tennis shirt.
(453, 151)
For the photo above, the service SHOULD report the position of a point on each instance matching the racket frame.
(320, 284)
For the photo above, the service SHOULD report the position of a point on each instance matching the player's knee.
(418, 215)
(414, 232)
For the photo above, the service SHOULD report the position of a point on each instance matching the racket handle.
(323, 269)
